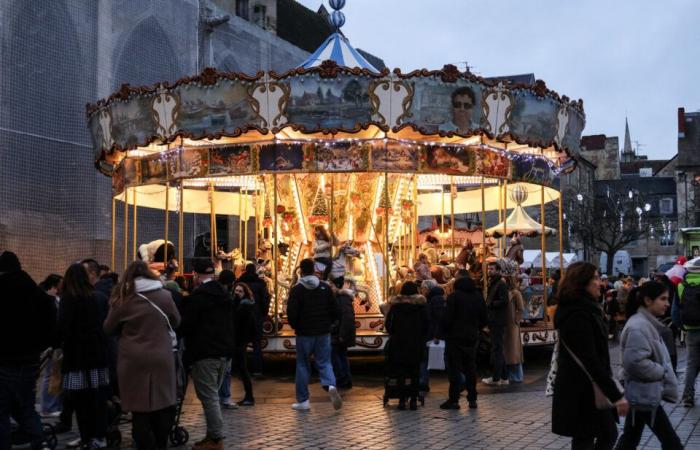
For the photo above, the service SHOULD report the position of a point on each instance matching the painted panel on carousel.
(340, 103)
(344, 156)
(189, 163)
(445, 107)
(132, 122)
(533, 119)
(132, 172)
(231, 159)
(223, 107)
(393, 156)
(572, 122)
(457, 160)
(492, 163)
(118, 181)
(153, 170)
(281, 157)
(532, 169)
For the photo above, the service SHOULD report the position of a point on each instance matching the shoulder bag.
(171, 332)
(601, 401)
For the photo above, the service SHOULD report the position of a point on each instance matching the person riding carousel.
(515, 250)
(429, 247)
(322, 249)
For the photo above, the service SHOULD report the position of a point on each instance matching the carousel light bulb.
(579, 197)
(647, 207)
(630, 194)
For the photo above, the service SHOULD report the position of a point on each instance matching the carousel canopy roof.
(337, 48)
(519, 222)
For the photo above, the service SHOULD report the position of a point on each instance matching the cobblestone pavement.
(511, 417)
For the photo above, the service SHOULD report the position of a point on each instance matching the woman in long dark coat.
(144, 313)
(581, 325)
(407, 325)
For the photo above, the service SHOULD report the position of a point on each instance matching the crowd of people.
(125, 344)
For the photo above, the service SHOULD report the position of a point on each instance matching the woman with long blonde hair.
(144, 315)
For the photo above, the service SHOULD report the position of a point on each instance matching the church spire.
(627, 149)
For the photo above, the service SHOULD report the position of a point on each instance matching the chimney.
(681, 123)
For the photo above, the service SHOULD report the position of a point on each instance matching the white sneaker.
(504, 382)
(301, 406)
(228, 404)
(50, 414)
(74, 443)
(489, 381)
(335, 397)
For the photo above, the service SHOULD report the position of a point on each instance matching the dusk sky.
(634, 58)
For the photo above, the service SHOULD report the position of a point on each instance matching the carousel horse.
(236, 259)
(467, 257)
(341, 262)
(515, 251)
(153, 253)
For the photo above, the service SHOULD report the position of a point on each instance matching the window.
(666, 206)
(242, 9)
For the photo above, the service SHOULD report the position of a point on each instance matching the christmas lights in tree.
(319, 211)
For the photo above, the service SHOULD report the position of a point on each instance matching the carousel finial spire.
(337, 18)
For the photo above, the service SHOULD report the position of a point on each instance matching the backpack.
(690, 305)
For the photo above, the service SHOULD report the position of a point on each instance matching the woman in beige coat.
(143, 314)
(513, 347)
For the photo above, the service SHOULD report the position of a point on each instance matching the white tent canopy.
(533, 258)
(519, 221)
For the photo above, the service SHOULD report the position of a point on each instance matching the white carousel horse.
(154, 251)
(235, 256)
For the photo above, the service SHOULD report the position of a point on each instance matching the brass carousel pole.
(544, 249)
(134, 226)
(167, 223)
(114, 233)
(256, 210)
(414, 227)
(181, 229)
(483, 237)
(275, 251)
(561, 236)
(386, 236)
(452, 216)
(240, 219)
(442, 220)
(212, 221)
(126, 227)
(245, 225)
(330, 219)
(505, 215)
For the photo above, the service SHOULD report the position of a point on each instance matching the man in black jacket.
(497, 304)
(27, 321)
(464, 316)
(208, 329)
(343, 332)
(311, 309)
(262, 303)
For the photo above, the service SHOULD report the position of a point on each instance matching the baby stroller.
(403, 383)
(179, 435)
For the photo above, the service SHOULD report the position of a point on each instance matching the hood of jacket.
(415, 299)
(435, 292)
(465, 284)
(213, 292)
(310, 282)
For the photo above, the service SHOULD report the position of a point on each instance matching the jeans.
(662, 428)
(461, 369)
(607, 434)
(240, 364)
(341, 365)
(320, 348)
(692, 344)
(207, 376)
(150, 430)
(497, 356)
(91, 412)
(49, 403)
(17, 394)
(515, 373)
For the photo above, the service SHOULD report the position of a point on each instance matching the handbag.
(171, 332)
(55, 376)
(553, 368)
(602, 402)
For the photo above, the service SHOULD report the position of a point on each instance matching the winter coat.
(407, 325)
(261, 294)
(208, 323)
(245, 322)
(146, 365)
(79, 328)
(436, 309)
(322, 249)
(343, 329)
(646, 363)
(512, 345)
(27, 320)
(497, 302)
(465, 313)
(581, 325)
(311, 308)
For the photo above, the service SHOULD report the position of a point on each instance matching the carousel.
(340, 162)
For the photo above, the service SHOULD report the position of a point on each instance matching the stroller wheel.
(114, 438)
(50, 435)
(179, 436)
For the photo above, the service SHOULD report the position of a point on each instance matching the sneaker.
(473, 405)
(504, 383)
(209, 444)
(335, 397)
(301, 406)
(449, 405)
(228, 404)
(48, 415)
(75, 443)
(489, 381)
(246, 402)
(688, 401)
